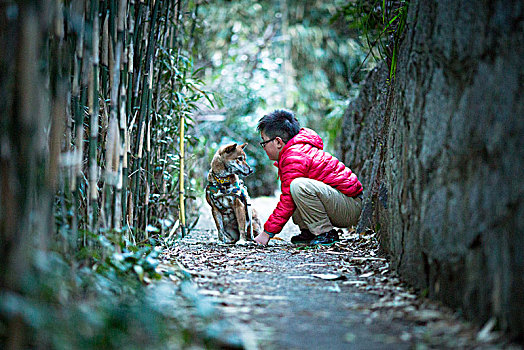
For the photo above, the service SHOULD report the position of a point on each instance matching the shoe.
(304, 237)
(327, 238)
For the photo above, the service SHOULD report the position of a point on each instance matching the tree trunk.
(25, 191)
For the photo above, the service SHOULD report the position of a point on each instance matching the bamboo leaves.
(88, 126)
(131, 90)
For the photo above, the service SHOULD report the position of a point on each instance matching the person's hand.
(262, 238)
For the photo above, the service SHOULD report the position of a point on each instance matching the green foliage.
(75, 306)
(120, 81)
(98, 300)
(140, 261)
(181, 95)
(381, 23)
(259, 56)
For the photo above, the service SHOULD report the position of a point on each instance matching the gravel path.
(341, 297)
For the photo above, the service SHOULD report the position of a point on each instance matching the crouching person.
(318, 190)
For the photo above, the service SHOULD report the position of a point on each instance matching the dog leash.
(250, 218)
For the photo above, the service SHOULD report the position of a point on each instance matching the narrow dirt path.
(340, 297)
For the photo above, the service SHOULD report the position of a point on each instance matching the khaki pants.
(320, 207)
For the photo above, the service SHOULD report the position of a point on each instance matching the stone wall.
(441, 155)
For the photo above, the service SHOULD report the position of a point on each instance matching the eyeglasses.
(264, 143)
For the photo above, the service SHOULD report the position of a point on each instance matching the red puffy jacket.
(303, 156)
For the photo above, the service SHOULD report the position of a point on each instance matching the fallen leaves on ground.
(355, 264)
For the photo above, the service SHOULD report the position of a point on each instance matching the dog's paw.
(242, 242)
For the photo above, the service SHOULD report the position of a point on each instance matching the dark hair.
(281, 123)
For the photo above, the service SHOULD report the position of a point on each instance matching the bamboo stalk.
(148, 147)
(138, 56)
(115, 72)
(130, 55)
(122, 165)
(58, 123)
(84, 68)
(161, 39)
(148, 175)
(178, 23)
(182, 211)
(122, 116)
(138, 170)
(25, 121)
(128, 220)
(129, 199)
(111, 175)
(93, 109)
(104, 54)
(58, 96)
(191, 40)
(76, 91)
(135, 101)
(112, 28)
(146, 96)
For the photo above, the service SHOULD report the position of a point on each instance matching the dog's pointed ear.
(230, 148)
(244, 145)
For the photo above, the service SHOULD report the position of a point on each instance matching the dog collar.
(221, 180)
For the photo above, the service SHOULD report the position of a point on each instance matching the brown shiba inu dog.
(228, 197)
